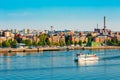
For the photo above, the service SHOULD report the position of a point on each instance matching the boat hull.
(88, 59)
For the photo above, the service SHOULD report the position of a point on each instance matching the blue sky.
(62, 14)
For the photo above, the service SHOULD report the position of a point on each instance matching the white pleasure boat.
(87, 57)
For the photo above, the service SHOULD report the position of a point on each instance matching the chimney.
(104, 23)
(97, 26)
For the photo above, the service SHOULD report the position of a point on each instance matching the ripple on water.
(59, 65)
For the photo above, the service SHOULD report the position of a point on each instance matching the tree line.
(44, 41)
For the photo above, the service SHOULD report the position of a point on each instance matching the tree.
(62, 43)
(71, 42)
(27, 42)
(0, 44)
(43, 37)
(80, 43)
(35, 43)
(68, 42)
(40, 43)
(23, 41)
(109, 42)
(43, 40)
(56, 44)
(6, 44)
(114, 42)
(76, 43)
(118, 43)
(14, 44)
(10, 41)
(89, 39)
(47, 42)
(84, 42)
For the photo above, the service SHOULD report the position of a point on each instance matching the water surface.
(59, 65)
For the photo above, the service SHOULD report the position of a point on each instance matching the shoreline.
(56, 49)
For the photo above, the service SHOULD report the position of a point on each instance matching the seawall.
(55, 49)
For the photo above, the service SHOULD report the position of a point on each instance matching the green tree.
(10, 41)
(71, 42)
(43, 39)
(48, 42)
(68, 42)
(27, 42)
(80, 43)
(0, 44)
(89, 39)
(14, 44)
(56, 44)
(6, 44)
(62, 43)
(114, 42)
(84, 42)
(35, 43)
(23, 41)
(40, 43)
(76, 43)
(118, 43)
(109, 42)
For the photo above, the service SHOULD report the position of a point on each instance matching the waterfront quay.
(56, 48)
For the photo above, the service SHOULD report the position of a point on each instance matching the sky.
(82, 15)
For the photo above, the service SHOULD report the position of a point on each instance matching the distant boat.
(86, 57)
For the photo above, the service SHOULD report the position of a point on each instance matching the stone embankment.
(56, 48)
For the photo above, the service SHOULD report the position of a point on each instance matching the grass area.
(95, 44)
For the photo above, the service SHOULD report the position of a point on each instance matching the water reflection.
(87, 63)
(8, 61)
(5, 62)
(18, 54)
(7, 54)
(21, 54)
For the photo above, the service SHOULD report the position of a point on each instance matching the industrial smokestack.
(97, 26)
(104, 22)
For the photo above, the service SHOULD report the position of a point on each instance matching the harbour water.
(59, 65)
